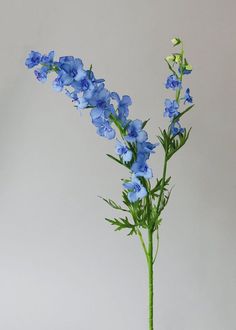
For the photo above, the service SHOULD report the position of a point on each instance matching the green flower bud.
(175, 41)
(188, 67)
(178, 58)
(170, 58)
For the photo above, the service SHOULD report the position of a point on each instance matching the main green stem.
(150, 250)
(150, 277)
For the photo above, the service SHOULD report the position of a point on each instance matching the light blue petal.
(96, 113)
(137, 124)
(126, 100)
(81, 74)
(132, 196)
(110, 134)
(128, 185)
(142, 136)
(115, 97)
(168, 103)
(82, 103)
(142, 193)
(129, 138)
(127, 156)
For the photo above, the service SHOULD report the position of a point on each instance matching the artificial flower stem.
(150, 277)
(163, 180)
(181, 74)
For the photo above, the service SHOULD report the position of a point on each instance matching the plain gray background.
(61, 265)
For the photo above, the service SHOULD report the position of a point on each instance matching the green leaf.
(164, 139)
(145, 123)
(125, 199)
(165, 200)
(122, 223)
(90, 70)
(116, 160)
(182, 113)
(158, 186)
(178, 142)
(171, 69)
(114, 205)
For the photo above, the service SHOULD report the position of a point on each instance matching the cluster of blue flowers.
(108, 111)
(174, 82)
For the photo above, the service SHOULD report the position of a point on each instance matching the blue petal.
(82, 103)
(132, 196)
(137, 124)
(96, 113)
(115, 97)
(126, 100)
(142, 136)
(128, 185)
(110, 134)
(142, 193)
(80, 75)
(127, 156)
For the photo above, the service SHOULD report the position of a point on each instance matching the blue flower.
(93, 79)
(41, 74)
(140, 167)
(79, 101)
(122, 107)
(104, 128)
(68, 69)
(136, 190)
(47, 59)
(33, 59)
(58, 84)
(176, 128)
(83, 83)
(146, 147)
(123, 151)
(171, 108)
(102, 109)
(173, 82)
(100, 98)
(187, 97)
(135, 132)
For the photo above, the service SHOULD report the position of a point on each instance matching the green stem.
(181, 74)
(163, 182)
(150, 277)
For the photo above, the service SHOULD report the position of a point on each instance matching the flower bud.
(175, 41)
(178, 58)
(170, 58)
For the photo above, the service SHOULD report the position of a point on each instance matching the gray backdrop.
(61, 265)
